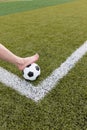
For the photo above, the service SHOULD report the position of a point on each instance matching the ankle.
(19, 63)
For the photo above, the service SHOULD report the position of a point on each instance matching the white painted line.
(38, 92)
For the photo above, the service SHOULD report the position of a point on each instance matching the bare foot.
(26, 61)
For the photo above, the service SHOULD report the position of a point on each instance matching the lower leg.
(21, 63)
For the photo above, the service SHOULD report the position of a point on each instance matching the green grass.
(10, 7)
(54, 32)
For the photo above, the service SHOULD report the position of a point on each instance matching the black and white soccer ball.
(31, 72)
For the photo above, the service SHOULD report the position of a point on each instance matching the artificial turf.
(13, 6)
(54, 32)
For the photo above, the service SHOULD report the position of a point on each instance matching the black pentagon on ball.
(28, 65)
(37, 68)
(30, 74)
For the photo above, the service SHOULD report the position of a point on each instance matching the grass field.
(54, 29)
(14, 6)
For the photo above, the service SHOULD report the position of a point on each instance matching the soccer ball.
(31, 72)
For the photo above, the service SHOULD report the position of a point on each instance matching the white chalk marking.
(38, 92)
